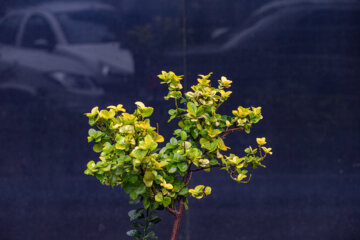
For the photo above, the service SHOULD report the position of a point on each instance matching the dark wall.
(299, 61)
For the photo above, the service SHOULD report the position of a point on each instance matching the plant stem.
(178, 213)
(177, 220)
(223, 136)
(202, 168)
(146, 223)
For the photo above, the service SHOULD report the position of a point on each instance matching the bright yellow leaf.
(257, 110)
(207, 190)
(159, 138)
(267, 150)
(261, 141)
(94, 111)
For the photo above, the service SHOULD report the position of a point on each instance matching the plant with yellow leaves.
(159, 177)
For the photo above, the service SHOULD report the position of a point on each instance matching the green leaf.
(194, 133)
(204, 143)
(101, 177)
(172, 112)
(133, 178)
(146, 203)
(133, 195)
(172, 169)
(107, 168)
(207, 190)
(91, 164)
(151, 236)
(173, 141)
(113, 180)
(199, 188)
(154, 205)
(134, 189)
(184, 191)
(171, 118)
(214, 162)
(134, 233)
(140, 189)
(159, 197)
(154, 217)
(133, 202)
(183, 135)
(182, 167)
(139, 153)
(147, 112)
(148, 178)
(150, 143)
(178, 157)
(98, 147)
(213, 145)
(137, 225)
(166, 202)
(88, 172)
(92, 132)
(108, 148)
(191, 108)
(193, 153)
(92, 121)
(136, 214)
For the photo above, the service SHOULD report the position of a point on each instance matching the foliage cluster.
(130, 155)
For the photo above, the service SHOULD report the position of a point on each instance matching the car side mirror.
(43, 44)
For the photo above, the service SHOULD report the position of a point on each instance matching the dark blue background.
(297, 59)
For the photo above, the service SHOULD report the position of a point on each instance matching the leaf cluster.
(142, 220)
(130, 156)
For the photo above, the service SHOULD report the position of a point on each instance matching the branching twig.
(247, 181)
(202, 168)
(187, 179)
(172, 211)
(225, 133)
(187, 182)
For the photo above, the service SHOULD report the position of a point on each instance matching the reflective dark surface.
(300, 60)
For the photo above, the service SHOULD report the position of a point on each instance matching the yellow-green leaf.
(148, 178)
(207, 190)
(159, 197)
(261, 141)
(221, 145)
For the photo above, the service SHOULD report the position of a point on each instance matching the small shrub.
(159, 177)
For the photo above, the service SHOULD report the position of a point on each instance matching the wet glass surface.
(299, 60)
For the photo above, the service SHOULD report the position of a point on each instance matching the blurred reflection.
(284, 29)
(66, 52)
(299, 60)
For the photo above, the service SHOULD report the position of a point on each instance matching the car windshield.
(89, 26)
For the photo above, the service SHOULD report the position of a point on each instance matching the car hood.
(100, 56)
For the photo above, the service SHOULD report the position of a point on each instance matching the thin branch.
(225, 133)
(157, 128)
(187, 182)
(172, 211)
(176, 104)
(202, 168)
(187, 173)
(247, 181)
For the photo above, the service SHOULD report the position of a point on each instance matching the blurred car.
(300, 61)
(309, 45)
(62, 48)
